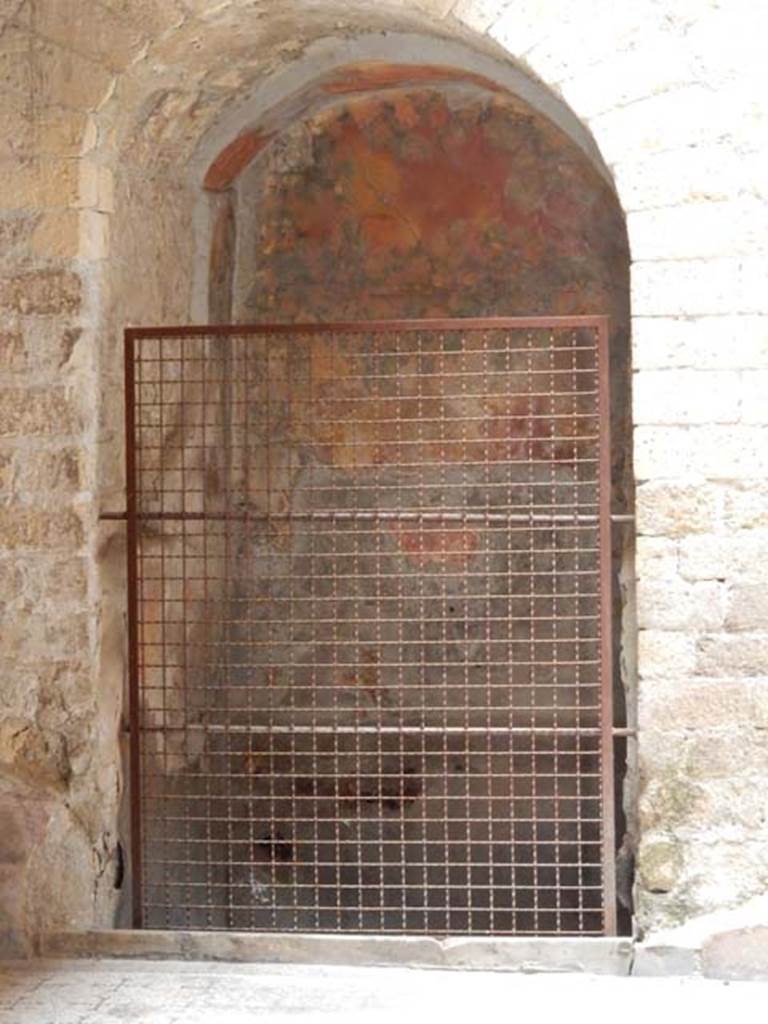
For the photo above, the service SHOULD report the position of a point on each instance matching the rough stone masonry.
(104, 108)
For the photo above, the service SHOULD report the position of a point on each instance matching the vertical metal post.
(606, 642)
(132, 556)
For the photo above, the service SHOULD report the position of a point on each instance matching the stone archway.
(533, 208)
(102, 116)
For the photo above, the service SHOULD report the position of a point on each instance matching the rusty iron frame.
(134, 695)
(133, 517)
(606, 630)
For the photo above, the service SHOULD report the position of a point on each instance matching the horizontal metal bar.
(318, 775)
(270, 779)
(465, 665)
(374, 923)
(452, 617)
(439, 517)
(490, 865)
(576, 641)
(257, 378)
(390, 516)
(243, 360)
(373, 326)
(428, 820)
(384, 730)
(547, 371)
(168, 884)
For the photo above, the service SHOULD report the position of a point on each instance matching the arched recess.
(328, 73)
(519, 181)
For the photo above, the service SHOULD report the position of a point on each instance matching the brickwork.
(101, 111)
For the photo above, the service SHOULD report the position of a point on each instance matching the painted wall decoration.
(426, 203)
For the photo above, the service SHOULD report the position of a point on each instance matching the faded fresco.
(450, 201)
(426, 203)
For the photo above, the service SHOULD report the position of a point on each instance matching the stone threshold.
(729, 944)
(606, 956)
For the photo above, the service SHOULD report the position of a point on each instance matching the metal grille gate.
(369, 592)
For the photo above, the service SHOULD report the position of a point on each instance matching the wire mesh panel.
(369, 574)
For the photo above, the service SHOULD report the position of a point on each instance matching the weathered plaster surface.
(427, 203)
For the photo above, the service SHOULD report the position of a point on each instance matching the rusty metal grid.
(369, 590)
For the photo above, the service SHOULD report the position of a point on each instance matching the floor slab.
(594, 955)
(171, 992)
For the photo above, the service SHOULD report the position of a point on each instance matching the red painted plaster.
(415, 203)
(360, 78)
(234, 158)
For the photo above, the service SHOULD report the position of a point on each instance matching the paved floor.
(151, 992)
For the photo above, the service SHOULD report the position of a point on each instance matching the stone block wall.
(101, 110)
